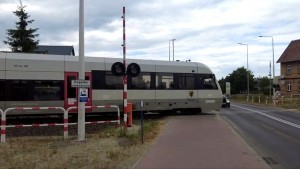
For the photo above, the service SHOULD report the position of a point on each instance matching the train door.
(88, 76)
(71, 93)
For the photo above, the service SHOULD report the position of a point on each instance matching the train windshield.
(207, 81)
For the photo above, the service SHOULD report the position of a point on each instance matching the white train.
(39, 80)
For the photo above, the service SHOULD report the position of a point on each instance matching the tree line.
(238, 82)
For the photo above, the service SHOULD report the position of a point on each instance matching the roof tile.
(291, 53)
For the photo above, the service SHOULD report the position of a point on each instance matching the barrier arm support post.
(3, 126)
(66, 122)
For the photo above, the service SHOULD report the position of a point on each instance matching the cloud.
(205, 31)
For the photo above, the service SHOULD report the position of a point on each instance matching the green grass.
(283, 102)
(111, 147)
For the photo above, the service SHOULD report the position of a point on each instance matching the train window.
(113, 82)
(190, 81)
(71, 90)
(206, 81)
(48, 90)
(164, 81)
(184, 81)
(98, 79)
(2, 90)
(142, 81)
(19, 90)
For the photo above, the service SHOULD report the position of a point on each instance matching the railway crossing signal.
(118, 69)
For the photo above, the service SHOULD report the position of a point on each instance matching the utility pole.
(81, 105)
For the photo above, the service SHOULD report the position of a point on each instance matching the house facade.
(290, 69)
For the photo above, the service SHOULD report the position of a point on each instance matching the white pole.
(81, 105)
(247, 70)
(273, 70)
(169, 50)
(125, 76)
(247, 73)
(273, 64)
(173, 48)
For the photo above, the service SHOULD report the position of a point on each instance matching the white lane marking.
(271, 117)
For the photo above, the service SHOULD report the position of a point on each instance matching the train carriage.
(39, 80)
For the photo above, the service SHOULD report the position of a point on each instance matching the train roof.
(96, 62)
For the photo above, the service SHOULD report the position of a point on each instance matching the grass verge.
(283, 102)
(111, 147)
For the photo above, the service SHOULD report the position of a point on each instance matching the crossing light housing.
(118, 69)
(133, 70)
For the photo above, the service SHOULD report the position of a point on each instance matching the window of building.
(289, 86)
(298, 68)
(288, 69)
(164, 81)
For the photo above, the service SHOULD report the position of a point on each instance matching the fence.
(3, 121)
(66, 130)
(286, 100)
(66, 119)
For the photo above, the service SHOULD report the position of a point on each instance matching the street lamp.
(247, 71)
(173, 48)
(169, 50)
(273, 62)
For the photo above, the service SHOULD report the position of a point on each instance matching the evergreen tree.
(21, 39)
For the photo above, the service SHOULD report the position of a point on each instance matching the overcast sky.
(206, 31)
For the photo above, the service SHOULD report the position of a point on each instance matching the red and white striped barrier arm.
(34, 125)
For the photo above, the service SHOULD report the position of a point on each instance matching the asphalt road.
(272, 132)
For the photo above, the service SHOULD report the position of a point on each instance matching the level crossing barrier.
(2, 126)
(66, 123)
(66, 119)
(3, 119)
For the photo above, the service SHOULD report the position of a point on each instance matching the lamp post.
(247, 71)
(270, 93)
(169, 50)
(273, 62)
(173, 48)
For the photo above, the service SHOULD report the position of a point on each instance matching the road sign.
(83, 95)
(80, 83)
